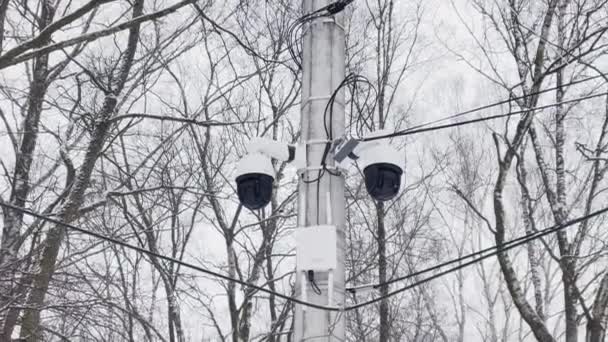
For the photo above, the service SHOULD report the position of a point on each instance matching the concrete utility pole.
(322, 203)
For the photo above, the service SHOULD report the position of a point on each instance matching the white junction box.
(316, 248)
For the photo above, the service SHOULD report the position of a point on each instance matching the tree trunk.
(536, 324)
(30, 327)
(231, 291)
(568, 263)
(596, 328)
(529, 227)
(46, 266)
(271, 299)
(3, 10)
(595, 331)
(385, 326)
(165, 273)
(538, 327)
(173, 315)
(13, 220)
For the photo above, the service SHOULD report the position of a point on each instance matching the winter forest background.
(126, 118)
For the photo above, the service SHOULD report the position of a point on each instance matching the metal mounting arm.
(278, 150)
(273, 149)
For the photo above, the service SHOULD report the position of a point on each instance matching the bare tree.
(88, 130)
(537, 58)
(394, 51)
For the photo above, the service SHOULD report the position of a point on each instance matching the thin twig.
(175, 119)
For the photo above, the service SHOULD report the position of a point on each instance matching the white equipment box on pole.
(316, 248)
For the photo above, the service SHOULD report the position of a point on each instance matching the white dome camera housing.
(254, 178)
(381, 167)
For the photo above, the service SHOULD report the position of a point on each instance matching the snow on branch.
(9, 57)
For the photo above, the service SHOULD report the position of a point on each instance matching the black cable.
(321, 173)
(507, 246)
(313, 283)
(328, 123)
(329, 107)
(496, 250)
(487, 118)
(293, 38)
(328, 117)
(351, 79)
(160, 256)
(522, 97)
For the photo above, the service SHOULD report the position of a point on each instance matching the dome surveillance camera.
(255, 173)
(381, 167)
(254, 178)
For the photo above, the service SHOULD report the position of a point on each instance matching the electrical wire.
(496, 250)
(294, 32)
(313, 283)
(160, 256)
(351, 79)
(328, 122)
(482, 119)
(512, 99)
(328, 126)
(321, 173)
(516, 242)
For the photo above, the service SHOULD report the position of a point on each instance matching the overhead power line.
(515, 242)
(481, 255)
(157, 255)
(512, 99)
(475, 258)
(482, 119)
(421, 128)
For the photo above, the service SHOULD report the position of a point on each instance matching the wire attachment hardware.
(338, 6)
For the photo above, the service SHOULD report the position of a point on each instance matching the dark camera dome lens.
(254, 190)
(383, 180)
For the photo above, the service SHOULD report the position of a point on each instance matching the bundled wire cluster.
(350, 80)
(328, 114)
(296, 30)
(366, 111)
